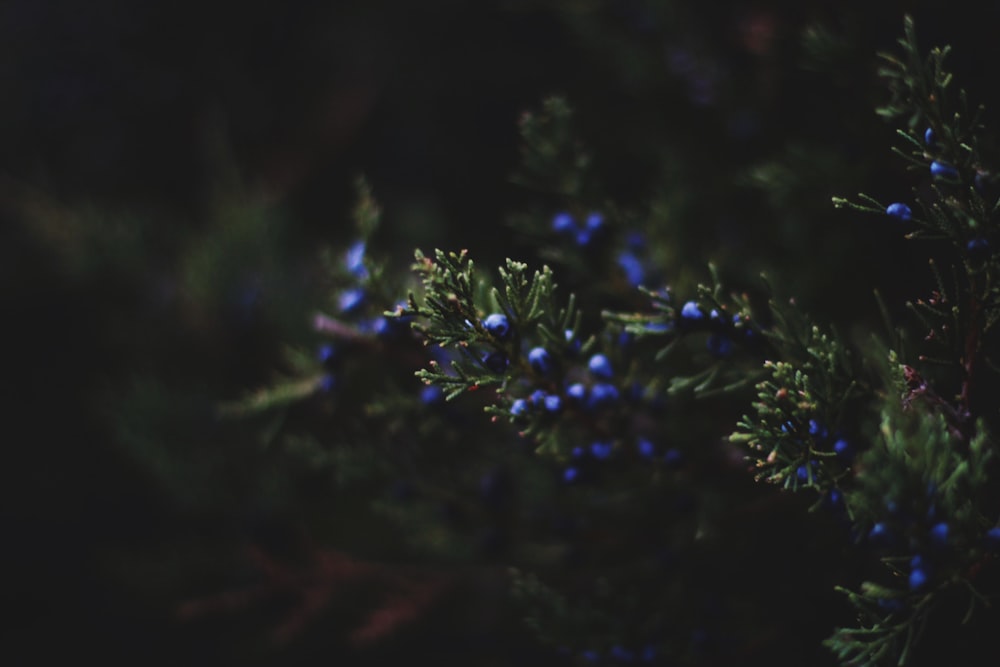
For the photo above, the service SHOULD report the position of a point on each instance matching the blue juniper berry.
(497, 324)
(601, 450)
(692, 312)
(519, 407)
(431, 394)
(939, 534)
(351, 299)
(573, 343)
(540, 360)
(844, 450)
(576, 392)
(601, 394)
(600, 367)
(593, 228)
(879, 534)
(943, 170)
(984, 182)
(553, 403)
(817, 430)
(978, 249)
(595, 221)
(632, 267)
(645, 448)
(326, 353)
(899, 210)
(354, 260)
(563, 223)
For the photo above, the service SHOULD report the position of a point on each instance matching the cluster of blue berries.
(621, 654)
(921, 566)
(583, 234)
(724, 332)
(933, 539)
(585, 460)
(939, 168)
(978, 247)
(841, 446)
(539, 399)
(590, 231)
(498, 326)
(590, 395)
(601, 393)
(812, 436)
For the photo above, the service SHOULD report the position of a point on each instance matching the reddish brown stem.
(971, 349)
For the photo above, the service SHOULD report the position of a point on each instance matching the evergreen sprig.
(919, 490)
(797, 435)
(724, 321)
(452, 312)
(887, 634)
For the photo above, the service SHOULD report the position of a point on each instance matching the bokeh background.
(167, 171)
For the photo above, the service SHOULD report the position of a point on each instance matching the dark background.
(148, 111)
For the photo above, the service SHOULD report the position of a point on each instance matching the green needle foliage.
(598, 423)
(661, 459)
